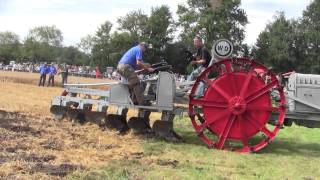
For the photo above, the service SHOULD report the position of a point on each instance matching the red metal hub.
(236, 104)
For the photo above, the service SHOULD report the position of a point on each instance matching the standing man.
(43, 74)
(52, 71)
(131, 61)
(63, 70)
(202, 58)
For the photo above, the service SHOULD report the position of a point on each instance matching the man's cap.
(146, 45)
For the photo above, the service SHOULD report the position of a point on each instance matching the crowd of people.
(52, 69)
(85, 71)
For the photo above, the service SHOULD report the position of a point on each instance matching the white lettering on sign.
(223, 48)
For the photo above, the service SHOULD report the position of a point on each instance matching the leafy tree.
(156, 29)
(43, 44)
(72, 55)
(9, 45)
(160, 32)
(120, 43)
(275, 45)
(174, 54)
(86, 44)
(102, 47)
(309, 31)
(226, 20)
(135, 22)
(46, 34)
(39, 52)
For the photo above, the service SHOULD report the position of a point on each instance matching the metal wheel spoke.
(264, 108)
(228, 66)
(211, 121)
(253, 122)
(245, 142)
(246, 83)
(261, 91)
(205, 103)
(221, 92)
(207, 82)
(267, 132)
(233, 84)
(225, 133)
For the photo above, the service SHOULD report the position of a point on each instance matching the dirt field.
(33, 145)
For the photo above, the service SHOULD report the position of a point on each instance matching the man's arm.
(197, 62)
(145, 66)
(141, 64)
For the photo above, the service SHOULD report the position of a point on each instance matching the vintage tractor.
(242, 107)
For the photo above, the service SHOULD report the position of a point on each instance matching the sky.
(78, 18)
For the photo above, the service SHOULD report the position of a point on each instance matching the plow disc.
(58, 112)
(164, 129)
(236, 105)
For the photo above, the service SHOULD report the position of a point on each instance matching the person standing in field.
(63, 70)
(43, 74)
(52, 71)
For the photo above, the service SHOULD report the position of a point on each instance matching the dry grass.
(33, 144)
(33, 78)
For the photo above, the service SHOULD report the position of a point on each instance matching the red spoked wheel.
(239, 96)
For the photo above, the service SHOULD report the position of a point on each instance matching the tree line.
(285, 44)
(291, 44)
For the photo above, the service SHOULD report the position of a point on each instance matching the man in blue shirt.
(131, 61)
(43, 74)
(52, 71)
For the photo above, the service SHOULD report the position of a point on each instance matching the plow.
(235, 104)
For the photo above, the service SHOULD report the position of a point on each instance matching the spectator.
(98, 73)
(63, 70)
(52, 71)
(43, 74)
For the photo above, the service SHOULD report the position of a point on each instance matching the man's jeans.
(194, 74)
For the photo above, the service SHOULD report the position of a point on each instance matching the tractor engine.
(303, 94)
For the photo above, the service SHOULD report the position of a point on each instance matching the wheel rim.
(236, 104)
